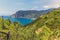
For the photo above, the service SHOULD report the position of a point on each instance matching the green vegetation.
(46, 27)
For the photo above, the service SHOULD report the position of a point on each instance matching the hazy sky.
(8, 7)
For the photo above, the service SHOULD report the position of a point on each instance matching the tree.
(3, 23)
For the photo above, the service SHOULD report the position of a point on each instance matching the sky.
(9, 7)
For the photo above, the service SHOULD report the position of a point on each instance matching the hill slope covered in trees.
(46, 27)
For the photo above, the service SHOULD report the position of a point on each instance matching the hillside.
(50, 19)
(29, 13)
(46, 27)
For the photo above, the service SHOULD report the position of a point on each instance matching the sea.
(22, 21)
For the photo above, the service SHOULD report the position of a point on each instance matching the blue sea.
(22, 21)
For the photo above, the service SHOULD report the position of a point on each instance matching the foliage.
(46, 27)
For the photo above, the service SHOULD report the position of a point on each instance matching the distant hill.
(29, 13)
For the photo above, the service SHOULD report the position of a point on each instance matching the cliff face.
(29, 13)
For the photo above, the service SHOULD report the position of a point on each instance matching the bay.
(22, 21)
